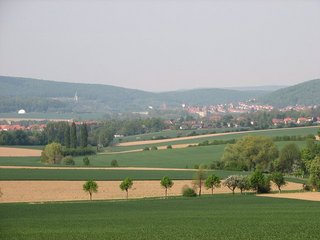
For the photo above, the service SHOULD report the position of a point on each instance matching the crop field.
(169, 158)
(270, 133)
(85, 174)
(216, 217)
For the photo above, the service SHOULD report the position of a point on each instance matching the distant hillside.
(306, 93)
(42, 95)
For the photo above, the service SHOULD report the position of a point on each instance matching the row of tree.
(257, 181)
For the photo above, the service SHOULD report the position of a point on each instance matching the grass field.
(173, 158)
(269, 133)
(84, 174)
(217, 217)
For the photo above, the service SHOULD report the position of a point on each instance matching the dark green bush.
(86, 161)
(78, 151)
(188, 192)
(169, 147)
(114, 163)
(146, 149)
(154, 148)
(68, 160)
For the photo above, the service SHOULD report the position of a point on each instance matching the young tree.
(90, 187)
(73, 135)
(83, 135)
(199, 178)
(86, 161)
(166, 183)
(231, 182)
(67, 136)
(52, 153)
(126, 185)
(212, 182)
(278, 179)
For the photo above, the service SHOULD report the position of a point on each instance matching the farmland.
(217, 217)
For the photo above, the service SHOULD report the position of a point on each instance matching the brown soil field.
(19, 152)
(310, 196)
(135, 143)
(42, 191)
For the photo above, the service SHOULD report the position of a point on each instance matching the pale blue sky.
(162, 45)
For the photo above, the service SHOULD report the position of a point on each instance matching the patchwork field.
(217, 217)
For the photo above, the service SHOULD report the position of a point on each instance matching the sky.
(162, 45)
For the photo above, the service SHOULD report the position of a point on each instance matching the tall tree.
(73, 135)
(212, 182)
(166, 183)
(199, 178)
(315, 172)
(67, 136)
(83, 135)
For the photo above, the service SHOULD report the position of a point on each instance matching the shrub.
(114, 163)
(68, 160)
(154, 148)
(78, 151)
(86, 161)
(196, 166)
(146, 149)
(169, 147)
(188, 192)
(259, 182)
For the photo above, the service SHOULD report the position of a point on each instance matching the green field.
(85, 174)
(168, 158)
(218, 217)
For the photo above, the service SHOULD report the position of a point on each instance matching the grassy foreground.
(217, 217)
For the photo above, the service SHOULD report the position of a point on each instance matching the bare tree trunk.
(279, 189)
(90, 195)
(200, 183)
(212, 191)
(166, 192)
(127, 193)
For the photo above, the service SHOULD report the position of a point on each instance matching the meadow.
(209, 217)
(168, 158)
(269, 133)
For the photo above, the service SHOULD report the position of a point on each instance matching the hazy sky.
(161, 45)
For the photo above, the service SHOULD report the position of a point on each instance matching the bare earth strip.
(42, 191)
(310, 196)
(125, 144)
(19, 152)
(99, 168)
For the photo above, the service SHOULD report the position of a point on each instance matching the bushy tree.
(289, 155)
(90, 187)
(52, 153)
(68, 160)
(125, 185)
(166, 183)
(199, 178)
(243, 183)
(67, 136)
(278, 179)
(212, 181)
(114, 163)
(315, 173)
(250, 153)
(259, 182)
(188, 192)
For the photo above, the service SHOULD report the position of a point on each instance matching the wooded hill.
(49, 96)
(42, 95)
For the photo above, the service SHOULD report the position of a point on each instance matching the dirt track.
(125, 144)
(38, 191)
(19, 152)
